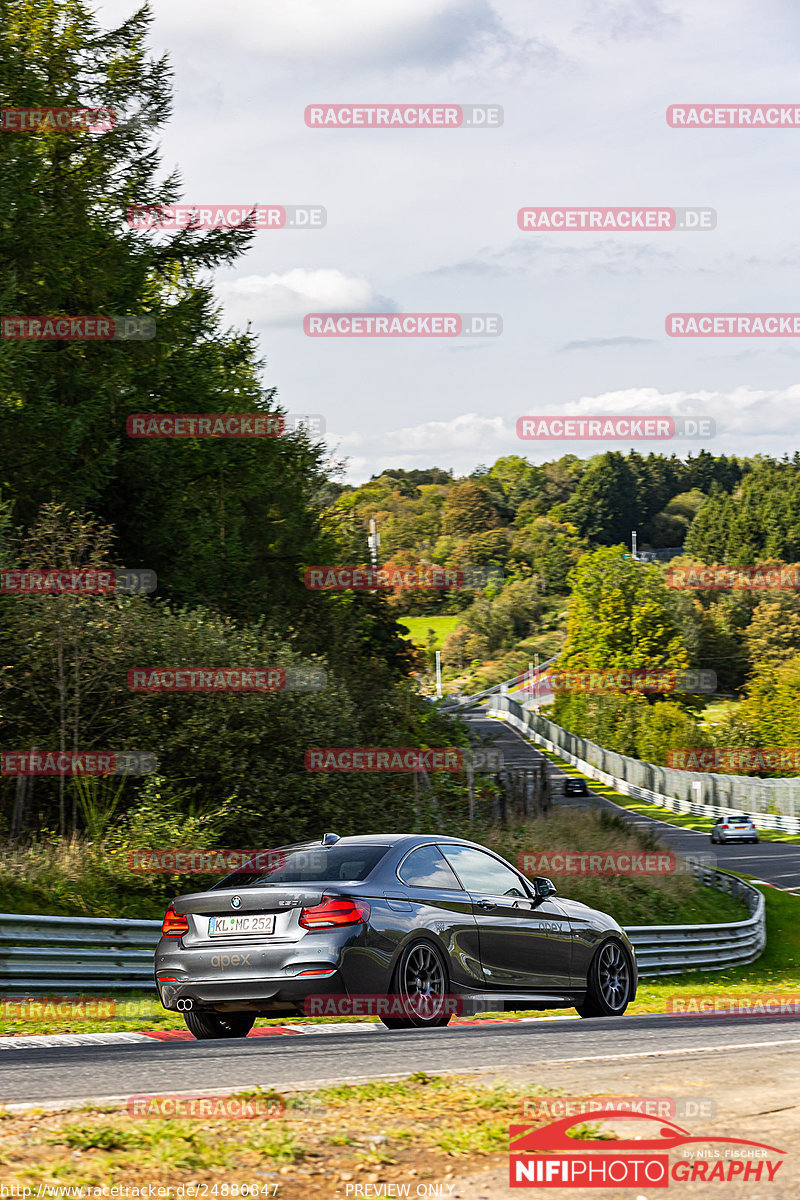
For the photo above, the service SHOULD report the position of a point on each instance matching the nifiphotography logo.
(547, 1156)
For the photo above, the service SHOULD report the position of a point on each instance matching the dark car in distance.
(575, 787)
(414, 917)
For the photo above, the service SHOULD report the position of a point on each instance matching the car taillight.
(174, 924)
(334, 911)
(726, 826)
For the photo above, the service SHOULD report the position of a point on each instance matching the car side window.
(425, 867)
(479, 872)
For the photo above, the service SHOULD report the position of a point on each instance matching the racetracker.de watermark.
(628, 220)
(403, 116)
(375, 579)
(55, 1008)
(182, 860)
(722, 759)
(62, 120)
(723, 1005)
(613, 429)
(87, 762)
(765, 324)
(555, 1107)
(402, 325)
(84, 581)
(734, 579)
(227, 679)
(377, 1005)
(180, 1106)
(77, 329)
(222, 425)
(600, 862)
(373, 760)
(734, 116)
(632, 679)
(227, 216)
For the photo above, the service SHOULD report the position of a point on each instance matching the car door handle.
(484, 904)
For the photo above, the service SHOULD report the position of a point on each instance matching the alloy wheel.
(422, 984)
(614, 977)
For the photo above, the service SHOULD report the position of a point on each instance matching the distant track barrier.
(772, 803)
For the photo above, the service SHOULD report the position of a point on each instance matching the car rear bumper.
(282, 994)
(263, 976)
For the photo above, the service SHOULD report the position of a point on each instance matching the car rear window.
(313, 864)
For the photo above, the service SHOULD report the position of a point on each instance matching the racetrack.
(101, 1072)
(777, 863)
(320, 1055)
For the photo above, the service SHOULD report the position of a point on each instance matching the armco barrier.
(673, 949)
(669, 949)
(60, 955)
(69, 954)
(519, 683)
(772, 803)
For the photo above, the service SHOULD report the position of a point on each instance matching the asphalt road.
(777, 863)
(102, 1072)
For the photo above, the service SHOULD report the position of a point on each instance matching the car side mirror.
(544, 887)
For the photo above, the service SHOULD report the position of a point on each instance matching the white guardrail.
(722, 787)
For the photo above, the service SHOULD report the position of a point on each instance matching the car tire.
(206, 1025)
(419, 978)
(609, 982)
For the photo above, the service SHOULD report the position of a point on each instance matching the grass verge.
(424, 1127)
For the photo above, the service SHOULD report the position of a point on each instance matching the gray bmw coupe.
(424, 926)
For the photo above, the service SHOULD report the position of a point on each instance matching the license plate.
(247, 924)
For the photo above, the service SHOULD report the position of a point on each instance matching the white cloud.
(285, 299)
(736, 406)
(317, 31)
(741, 416)
(629, 20)
(467, 432)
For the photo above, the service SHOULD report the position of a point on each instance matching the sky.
(425, 220)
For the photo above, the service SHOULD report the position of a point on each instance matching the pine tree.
(226, 521)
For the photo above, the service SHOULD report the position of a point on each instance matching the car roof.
(386, 839)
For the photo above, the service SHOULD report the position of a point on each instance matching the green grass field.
(418, 628)
(718, 710)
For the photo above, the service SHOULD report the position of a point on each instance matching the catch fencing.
(772, 803)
